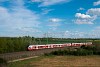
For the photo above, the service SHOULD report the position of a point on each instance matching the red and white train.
(36, 47)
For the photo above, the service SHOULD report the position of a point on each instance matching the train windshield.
(30, 47)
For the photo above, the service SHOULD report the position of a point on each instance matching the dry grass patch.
(68, 61)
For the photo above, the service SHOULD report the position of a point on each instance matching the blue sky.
(55, 18)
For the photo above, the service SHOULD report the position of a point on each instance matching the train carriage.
(47, 46)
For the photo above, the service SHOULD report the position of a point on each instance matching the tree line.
(15, 44)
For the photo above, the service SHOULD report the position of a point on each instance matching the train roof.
(36, 45)
(57, 44)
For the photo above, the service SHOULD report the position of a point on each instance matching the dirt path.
(22, 59)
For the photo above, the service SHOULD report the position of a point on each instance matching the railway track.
(25, 54)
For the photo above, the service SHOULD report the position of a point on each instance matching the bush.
(83, 51)
(3, 63)
(96, 52)
(93, 48)
(79, 52)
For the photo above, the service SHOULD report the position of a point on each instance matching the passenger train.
(47, 46)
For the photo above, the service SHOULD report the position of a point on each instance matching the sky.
(50, 18)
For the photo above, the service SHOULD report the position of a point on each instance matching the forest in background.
(16, 44)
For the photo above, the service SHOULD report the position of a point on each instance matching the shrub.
(79, 52)
(3, 63)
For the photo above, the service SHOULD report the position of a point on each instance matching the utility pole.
(47, 37)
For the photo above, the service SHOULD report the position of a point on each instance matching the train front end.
(30, 47)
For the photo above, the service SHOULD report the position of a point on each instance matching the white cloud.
(83, 16)
(28, 29)
(88, 18)
(98, 28)
(96, 32)
(83, 21)
(20, 17)
(46, 11)
(53, 28)
(94, 11)
(55, 20)
(80, 9)
(13, 18)
(96, 3)
(50, 2)
(54, 23)
(36, 0)
(67, 33)
(73, 34)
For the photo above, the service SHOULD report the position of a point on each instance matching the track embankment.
(28, 54)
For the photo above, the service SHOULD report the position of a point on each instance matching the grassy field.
(59, 61)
